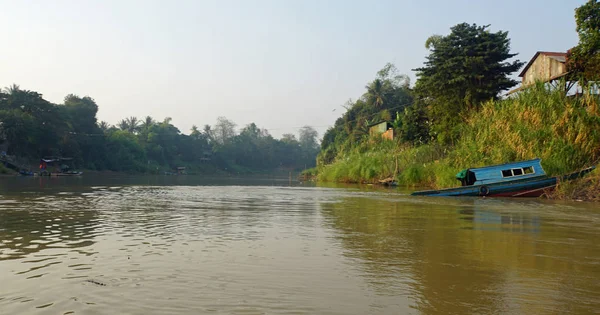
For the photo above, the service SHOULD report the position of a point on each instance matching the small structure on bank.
(382, 127)
(180, 170)
(56, 166)
(545, 66)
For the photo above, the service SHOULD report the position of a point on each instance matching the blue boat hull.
(531, 187)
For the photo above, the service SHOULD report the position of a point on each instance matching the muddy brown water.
(191, 245)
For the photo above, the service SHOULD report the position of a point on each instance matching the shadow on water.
(472, 256)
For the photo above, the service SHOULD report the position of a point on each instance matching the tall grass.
(379, 159)
(564, 131)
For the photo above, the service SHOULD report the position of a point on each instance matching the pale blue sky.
(282, 64)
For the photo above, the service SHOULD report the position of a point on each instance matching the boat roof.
(533, 162)
(496, 173)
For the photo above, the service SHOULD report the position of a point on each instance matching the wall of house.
(543, 68)
(379, 128)
(382, 130)
(389, 134)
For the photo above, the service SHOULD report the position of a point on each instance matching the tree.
(251, 131)
(195, 133)
(464, 69)
(208, 133)
(289, 138)
(146, 124)
(133, 124)
(224, 130)
(130, 124)
(583, 60)
(375, 93)
(309, 144)
(104, 126)
(308, 138)
(82, 113)
(414, 126)
(32, 126)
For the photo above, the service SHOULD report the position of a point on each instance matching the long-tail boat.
(517, 179)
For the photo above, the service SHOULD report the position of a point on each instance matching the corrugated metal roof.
(558, 56)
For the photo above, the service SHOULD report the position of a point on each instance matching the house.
(545, 66)
(382, 127)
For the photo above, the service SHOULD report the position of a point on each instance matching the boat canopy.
(501, 172)
(55, 160)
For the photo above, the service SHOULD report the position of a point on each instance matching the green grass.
(379, 159)
(563, 131)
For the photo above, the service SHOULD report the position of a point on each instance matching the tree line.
(464, 69)
(32, 128)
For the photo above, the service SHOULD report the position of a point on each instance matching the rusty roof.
(558, 56)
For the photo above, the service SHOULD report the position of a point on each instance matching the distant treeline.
(32, 128)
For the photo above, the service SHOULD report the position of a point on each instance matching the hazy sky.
(282, 64)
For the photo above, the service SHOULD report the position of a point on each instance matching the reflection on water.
(474, 255)
(180, 246)
(509, 221)
(33, 225)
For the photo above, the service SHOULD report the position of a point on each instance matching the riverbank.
(207, 171)
(564, 131)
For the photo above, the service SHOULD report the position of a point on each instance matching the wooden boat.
(59, 169)
(68, 173)
(518, 179)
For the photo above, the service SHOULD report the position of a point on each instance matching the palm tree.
(104, 126)
(208, 132)
(146, 124)
(13, 89)
(123, 125)
(133, 124)
(375, 93)
(195, 132)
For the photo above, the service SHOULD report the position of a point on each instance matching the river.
(188, 245)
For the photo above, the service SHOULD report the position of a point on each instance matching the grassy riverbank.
(563, 131)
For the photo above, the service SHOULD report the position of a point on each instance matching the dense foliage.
(583, 61)
(386, 99)
(464, 69)
(32, 128)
